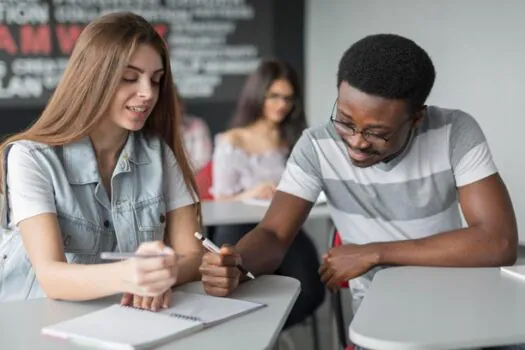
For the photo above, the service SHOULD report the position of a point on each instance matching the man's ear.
(419, 116)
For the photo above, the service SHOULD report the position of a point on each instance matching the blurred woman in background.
(248, 162)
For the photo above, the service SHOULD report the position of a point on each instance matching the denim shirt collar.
(80, 162)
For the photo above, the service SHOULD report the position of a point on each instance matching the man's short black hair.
(389, 66)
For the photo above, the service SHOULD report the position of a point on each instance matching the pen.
(213, 248)
(124, 256)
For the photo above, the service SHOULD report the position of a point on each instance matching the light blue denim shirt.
(145, 185)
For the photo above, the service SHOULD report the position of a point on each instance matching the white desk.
(237, 212)
(413, 308)
(21, 321)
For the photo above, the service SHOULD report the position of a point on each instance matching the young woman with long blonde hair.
(102, 169)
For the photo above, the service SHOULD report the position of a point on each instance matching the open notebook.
(121, 327)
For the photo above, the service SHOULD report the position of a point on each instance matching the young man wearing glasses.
(395, 173)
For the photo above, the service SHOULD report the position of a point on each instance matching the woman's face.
(138, 91)
(279, 100)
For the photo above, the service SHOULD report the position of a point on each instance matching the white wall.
(478, 49)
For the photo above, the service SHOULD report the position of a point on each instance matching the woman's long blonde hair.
(88, 85)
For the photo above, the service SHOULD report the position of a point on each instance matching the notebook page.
(118, 327)
(209, 309)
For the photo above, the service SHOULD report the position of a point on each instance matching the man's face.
(372, 127)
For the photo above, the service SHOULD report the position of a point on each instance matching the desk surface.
(237, 212)
(21, 321)
(440, 308)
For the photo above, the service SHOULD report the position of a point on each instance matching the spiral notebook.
(122, 327)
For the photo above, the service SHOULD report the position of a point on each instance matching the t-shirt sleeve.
(470, 154)
(176, 193)
(302, 176)
(29, 189)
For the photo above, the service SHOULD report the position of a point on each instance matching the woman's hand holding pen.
(151, 276)
(220, 275)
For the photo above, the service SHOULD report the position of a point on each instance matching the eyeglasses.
(349, 129)
(273, 97)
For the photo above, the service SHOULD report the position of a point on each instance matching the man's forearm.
(468, 247)
(261, 251)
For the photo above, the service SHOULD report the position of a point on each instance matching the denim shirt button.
(162, 218)
(106, 223)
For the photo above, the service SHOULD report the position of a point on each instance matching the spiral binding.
(190, 318)
(173, 314)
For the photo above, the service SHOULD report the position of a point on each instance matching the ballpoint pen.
(124, 256)
(213, 248)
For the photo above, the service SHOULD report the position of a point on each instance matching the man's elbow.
(275, 259)
(278, 260)
(507, 248)
(279, 249)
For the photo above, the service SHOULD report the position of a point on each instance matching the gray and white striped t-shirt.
(412, 196)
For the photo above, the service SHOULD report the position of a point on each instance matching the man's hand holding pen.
(220, 274)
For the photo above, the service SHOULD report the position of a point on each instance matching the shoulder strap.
(4, 202)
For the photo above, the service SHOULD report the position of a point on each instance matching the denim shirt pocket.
(150, 216)
(7, 248)
(80, 238)
(17, 278)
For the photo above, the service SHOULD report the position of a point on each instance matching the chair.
(203, 180)
(312, 322)
(337, 301)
